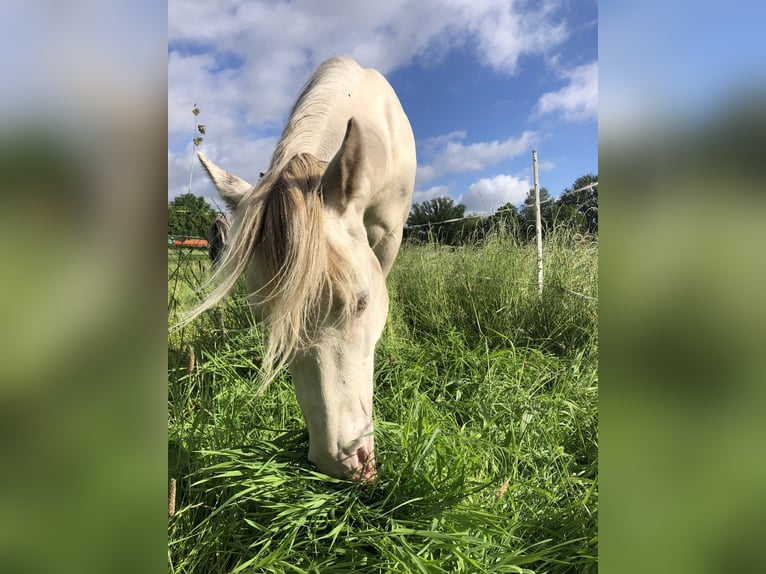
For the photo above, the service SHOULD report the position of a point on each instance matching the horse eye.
(361, 302)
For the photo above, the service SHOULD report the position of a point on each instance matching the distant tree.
(579, 209)
(434, 212)
(527, 214)
(190, 215)
(505, 220)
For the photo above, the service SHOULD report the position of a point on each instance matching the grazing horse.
(316, 238)
(218, 237)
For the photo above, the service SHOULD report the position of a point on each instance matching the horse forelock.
(304, 276)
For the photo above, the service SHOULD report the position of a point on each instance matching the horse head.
(313, 277)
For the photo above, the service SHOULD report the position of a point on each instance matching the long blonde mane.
(304, 274)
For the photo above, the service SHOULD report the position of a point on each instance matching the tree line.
(576, 209)
(190, 215)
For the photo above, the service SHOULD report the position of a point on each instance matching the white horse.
(317, 236)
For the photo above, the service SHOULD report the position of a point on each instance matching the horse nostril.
(367, 471)
(370, 474)
(360, 465)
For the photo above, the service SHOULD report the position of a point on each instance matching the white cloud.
(578, 100)
(192, 80)
(243, 63)
(277, 44)
(488, 194)
(546, 165)
(450, 156)
(245, 159)
(430, 193)
(505, 32)
(430, 146)
(383, 34)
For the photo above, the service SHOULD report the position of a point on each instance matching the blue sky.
(483, 83)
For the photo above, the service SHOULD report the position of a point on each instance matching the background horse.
(316, 237)
(218, 237)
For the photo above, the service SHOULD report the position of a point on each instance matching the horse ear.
(345, 173)
(230, 187)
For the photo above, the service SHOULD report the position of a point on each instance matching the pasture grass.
(486, 427)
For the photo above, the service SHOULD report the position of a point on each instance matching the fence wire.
(490, 213)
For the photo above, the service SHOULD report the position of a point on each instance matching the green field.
(486, 414)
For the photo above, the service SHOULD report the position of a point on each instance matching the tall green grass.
(486, 427)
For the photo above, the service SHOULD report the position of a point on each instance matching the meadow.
(486, 414)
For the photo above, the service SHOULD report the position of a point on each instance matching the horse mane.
(311, 113)
(304, 274)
